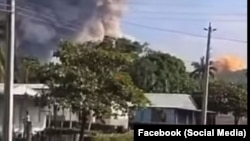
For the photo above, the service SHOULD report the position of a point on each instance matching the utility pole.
(9, 72)
(206, 77)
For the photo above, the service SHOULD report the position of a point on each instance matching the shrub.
(113, 137)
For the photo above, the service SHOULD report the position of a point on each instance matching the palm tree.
(199, 69)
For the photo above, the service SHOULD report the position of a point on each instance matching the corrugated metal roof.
(183, 101)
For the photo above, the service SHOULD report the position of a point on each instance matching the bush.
(113, 137)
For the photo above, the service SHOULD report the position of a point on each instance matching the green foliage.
(226, 98)
(92, 77)
(161, 73)
(237, 77)
(113, 137)
(200, 67)
(238, 100)
(26, 70)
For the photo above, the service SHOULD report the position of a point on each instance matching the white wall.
(37, 115)
(121, 119)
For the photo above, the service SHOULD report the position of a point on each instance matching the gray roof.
(181, 101)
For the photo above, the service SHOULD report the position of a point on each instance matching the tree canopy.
(199, 69)
(226, 98)
(93, 77)
(161, 73)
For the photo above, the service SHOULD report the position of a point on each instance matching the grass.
(113, 137)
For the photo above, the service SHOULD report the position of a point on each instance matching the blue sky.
(191, 16)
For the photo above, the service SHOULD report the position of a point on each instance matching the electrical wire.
(181, 32)
(187, 19)
(75, 28)
(136, 3)
(185, 13)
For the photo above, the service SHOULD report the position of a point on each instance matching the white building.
(24, 100)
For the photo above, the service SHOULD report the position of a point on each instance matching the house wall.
(142, 115)
(37, 115)
(185, 117)
(119, 119)
(145, 116)
(173, 116)
(65, 114)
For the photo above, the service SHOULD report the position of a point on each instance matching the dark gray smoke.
(41, 24)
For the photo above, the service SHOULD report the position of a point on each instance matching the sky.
(148, 20)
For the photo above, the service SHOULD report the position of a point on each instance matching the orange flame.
(230, 63)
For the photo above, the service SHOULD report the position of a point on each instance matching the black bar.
(189, 132)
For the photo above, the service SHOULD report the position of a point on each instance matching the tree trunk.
(83, 124)
(236, 120)
(26, 79)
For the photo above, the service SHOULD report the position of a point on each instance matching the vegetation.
(92, 78)
(26, 70)
(95, 76)
(200, 67)
(161, 73)
(226, 98)
(237, 77)
(114, 137)
(118, 72)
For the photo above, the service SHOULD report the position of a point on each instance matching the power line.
(69, 26)
(76, 28)
(48, 20)
(186, 13)
(181, 32)
(188, 19)
(171, 4)
(51, 23)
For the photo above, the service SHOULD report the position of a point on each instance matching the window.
(158, 115)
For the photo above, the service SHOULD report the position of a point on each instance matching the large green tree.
(92, 78)
(225, 98)
(158, 72)
(237, 102)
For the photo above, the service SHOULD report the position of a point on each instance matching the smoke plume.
(41, 24)
(230, 63)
